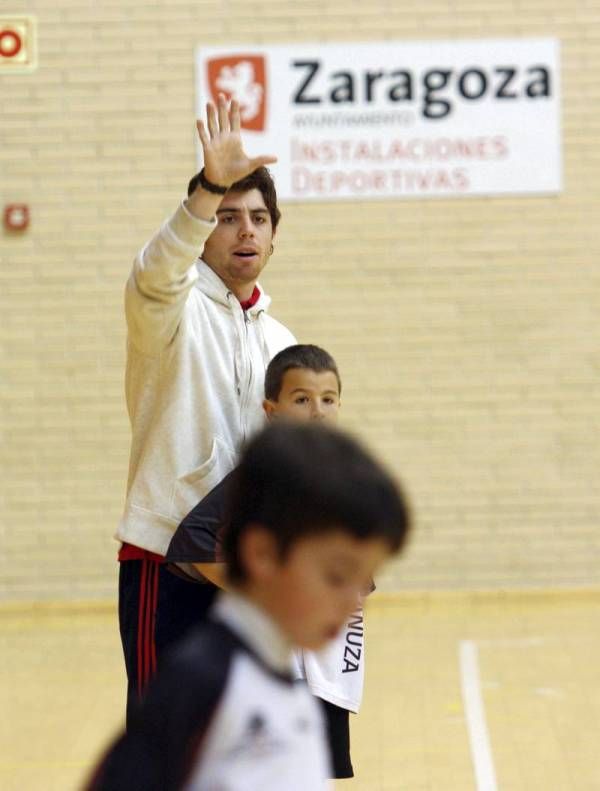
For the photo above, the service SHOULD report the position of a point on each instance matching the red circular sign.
(16, 216)
(10, 43)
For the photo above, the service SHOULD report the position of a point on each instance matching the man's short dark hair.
(302, 355)
(298, 479)
(259, 179)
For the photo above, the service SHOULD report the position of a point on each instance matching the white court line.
(481, 752)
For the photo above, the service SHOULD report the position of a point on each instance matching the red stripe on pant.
(146, 645)
(154, 608)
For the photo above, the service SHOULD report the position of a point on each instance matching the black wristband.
(207, 185)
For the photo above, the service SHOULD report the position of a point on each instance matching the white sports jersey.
(336, 673)
(266, 733)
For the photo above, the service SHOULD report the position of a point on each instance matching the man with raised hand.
(199, 340)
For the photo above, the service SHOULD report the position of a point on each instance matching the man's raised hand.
(225, 160)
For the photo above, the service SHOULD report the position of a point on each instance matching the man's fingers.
(258, 162)
(202, 133)
(220, 137)
(223, 114)
(211, 119)
(234, 116)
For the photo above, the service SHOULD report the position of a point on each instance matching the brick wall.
(466, 330)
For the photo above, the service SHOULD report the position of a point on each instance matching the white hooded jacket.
(194, 379)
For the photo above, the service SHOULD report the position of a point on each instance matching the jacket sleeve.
(163, 273)
(165, 741)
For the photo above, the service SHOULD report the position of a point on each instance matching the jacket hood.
(213, 287)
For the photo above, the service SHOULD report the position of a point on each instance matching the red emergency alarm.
(16, 216)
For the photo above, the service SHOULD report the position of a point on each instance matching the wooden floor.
(463, 692)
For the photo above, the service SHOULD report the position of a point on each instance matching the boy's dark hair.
(302, 355)
(298, 479)
(259, 179)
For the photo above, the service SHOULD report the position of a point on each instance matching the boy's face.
(311, 592)
(306, 395)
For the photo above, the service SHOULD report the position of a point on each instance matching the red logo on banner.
(243, 78)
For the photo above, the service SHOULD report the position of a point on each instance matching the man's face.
(311, 591)
(239, 247)
(306, 395)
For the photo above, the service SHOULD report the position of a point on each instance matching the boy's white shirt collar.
(257, 629)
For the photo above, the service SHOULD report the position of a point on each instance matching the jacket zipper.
(247, 379)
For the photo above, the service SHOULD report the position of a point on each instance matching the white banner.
(396, 119)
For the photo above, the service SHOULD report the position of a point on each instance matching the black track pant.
(156, 609)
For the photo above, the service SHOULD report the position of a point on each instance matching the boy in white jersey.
(312, 516)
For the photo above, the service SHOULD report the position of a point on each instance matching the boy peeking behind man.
(302, 383)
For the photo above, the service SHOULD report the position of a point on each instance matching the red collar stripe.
(250, 303)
